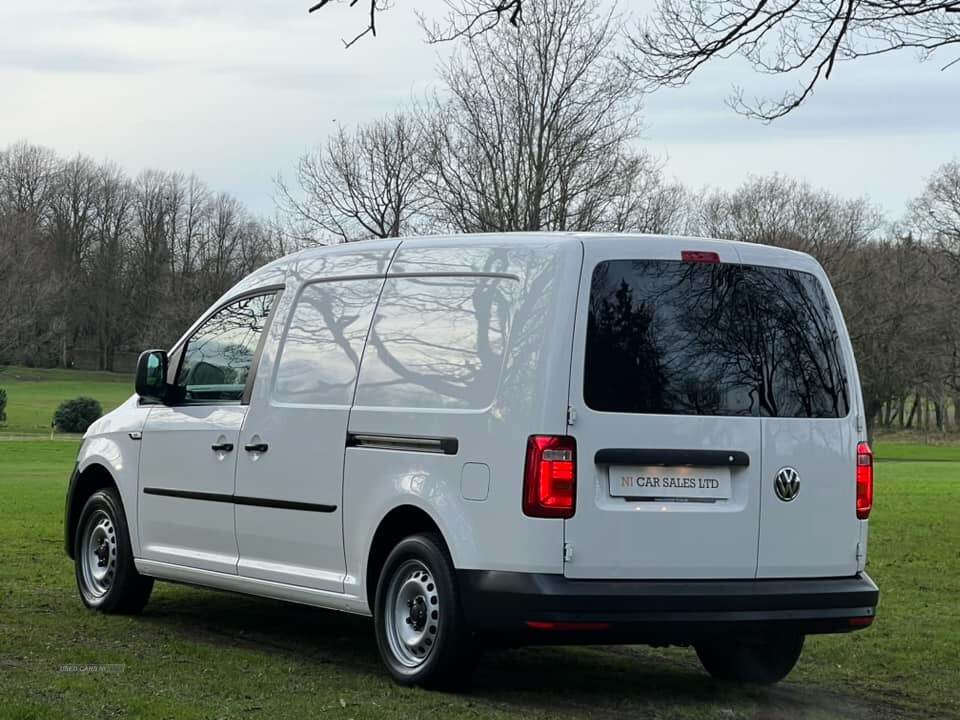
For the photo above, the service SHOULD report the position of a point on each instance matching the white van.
(524, 438)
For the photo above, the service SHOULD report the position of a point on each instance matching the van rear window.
(677, 338)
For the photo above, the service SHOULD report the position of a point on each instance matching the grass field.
(201, 654)
(196, 653)
(33, 395)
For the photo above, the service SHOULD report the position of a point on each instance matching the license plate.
(660, 482)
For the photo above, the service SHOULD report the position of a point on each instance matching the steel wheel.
(412, 614)
(98, 553)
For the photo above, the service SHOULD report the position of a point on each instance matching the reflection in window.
(321, 353)
(702, 339)
(217, 359)
(803, 372)
(437, 343)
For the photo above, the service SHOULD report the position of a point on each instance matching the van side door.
(189, 446)
(290, 468)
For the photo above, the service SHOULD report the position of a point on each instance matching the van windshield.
(677, 338)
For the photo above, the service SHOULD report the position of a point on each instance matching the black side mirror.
(151, 380)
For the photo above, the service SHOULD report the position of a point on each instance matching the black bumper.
(552, 607)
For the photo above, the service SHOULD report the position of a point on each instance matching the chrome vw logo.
(787, 483)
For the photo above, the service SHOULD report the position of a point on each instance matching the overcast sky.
(235, 91)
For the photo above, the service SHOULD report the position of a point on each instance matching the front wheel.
(420, 629)
(106, 575)
(763, 660)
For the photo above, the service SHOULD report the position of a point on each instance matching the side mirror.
(151, 380)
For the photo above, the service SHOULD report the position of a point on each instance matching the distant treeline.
(92, 259)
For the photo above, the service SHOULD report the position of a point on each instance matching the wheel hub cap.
(412, 613)
(98, 553)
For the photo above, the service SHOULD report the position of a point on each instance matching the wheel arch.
(402, 521)
(83, 484)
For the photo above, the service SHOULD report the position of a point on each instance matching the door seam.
(346, 434)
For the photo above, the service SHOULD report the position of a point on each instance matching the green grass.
(33, 395)
(885, 450)
(200, 654)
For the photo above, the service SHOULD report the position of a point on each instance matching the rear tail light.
(864, 480)
(550, 476)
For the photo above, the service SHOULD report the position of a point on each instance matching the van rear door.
(664, 415)
(810, 405)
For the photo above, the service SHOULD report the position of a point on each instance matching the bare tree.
(534, 128)
(72, 218)
(366, 183)
(936, 213)
(802, 39)
(781, 211)
(108, 280)
(465, 17)
(28, 176)
(643, 200)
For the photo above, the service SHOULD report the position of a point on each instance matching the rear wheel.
(763, 660)
(420, 629)
(103, 558)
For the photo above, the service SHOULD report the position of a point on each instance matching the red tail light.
(699, 256)
(550, 476)
(864, 480)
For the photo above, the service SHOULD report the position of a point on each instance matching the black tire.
(102, 548)
(447, 653)
(763, 661)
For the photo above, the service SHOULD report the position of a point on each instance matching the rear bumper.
(546, 607)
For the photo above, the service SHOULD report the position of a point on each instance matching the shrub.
(3, 405)
(75, 416)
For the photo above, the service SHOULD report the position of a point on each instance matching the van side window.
(437, 342)
(320, 358)
(218, 357)
(668, 337)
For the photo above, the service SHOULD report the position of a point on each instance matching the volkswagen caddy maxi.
(526, 438)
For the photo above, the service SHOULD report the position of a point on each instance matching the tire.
(107, 578)
(762, 661)
(421, 633)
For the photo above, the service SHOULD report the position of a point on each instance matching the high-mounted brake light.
(550, 477)
(699, 256)
(864, 480)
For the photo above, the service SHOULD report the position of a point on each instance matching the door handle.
(256, 448)
(222, 447)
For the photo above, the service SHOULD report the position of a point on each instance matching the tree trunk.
(913, 411)
(872, 410)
